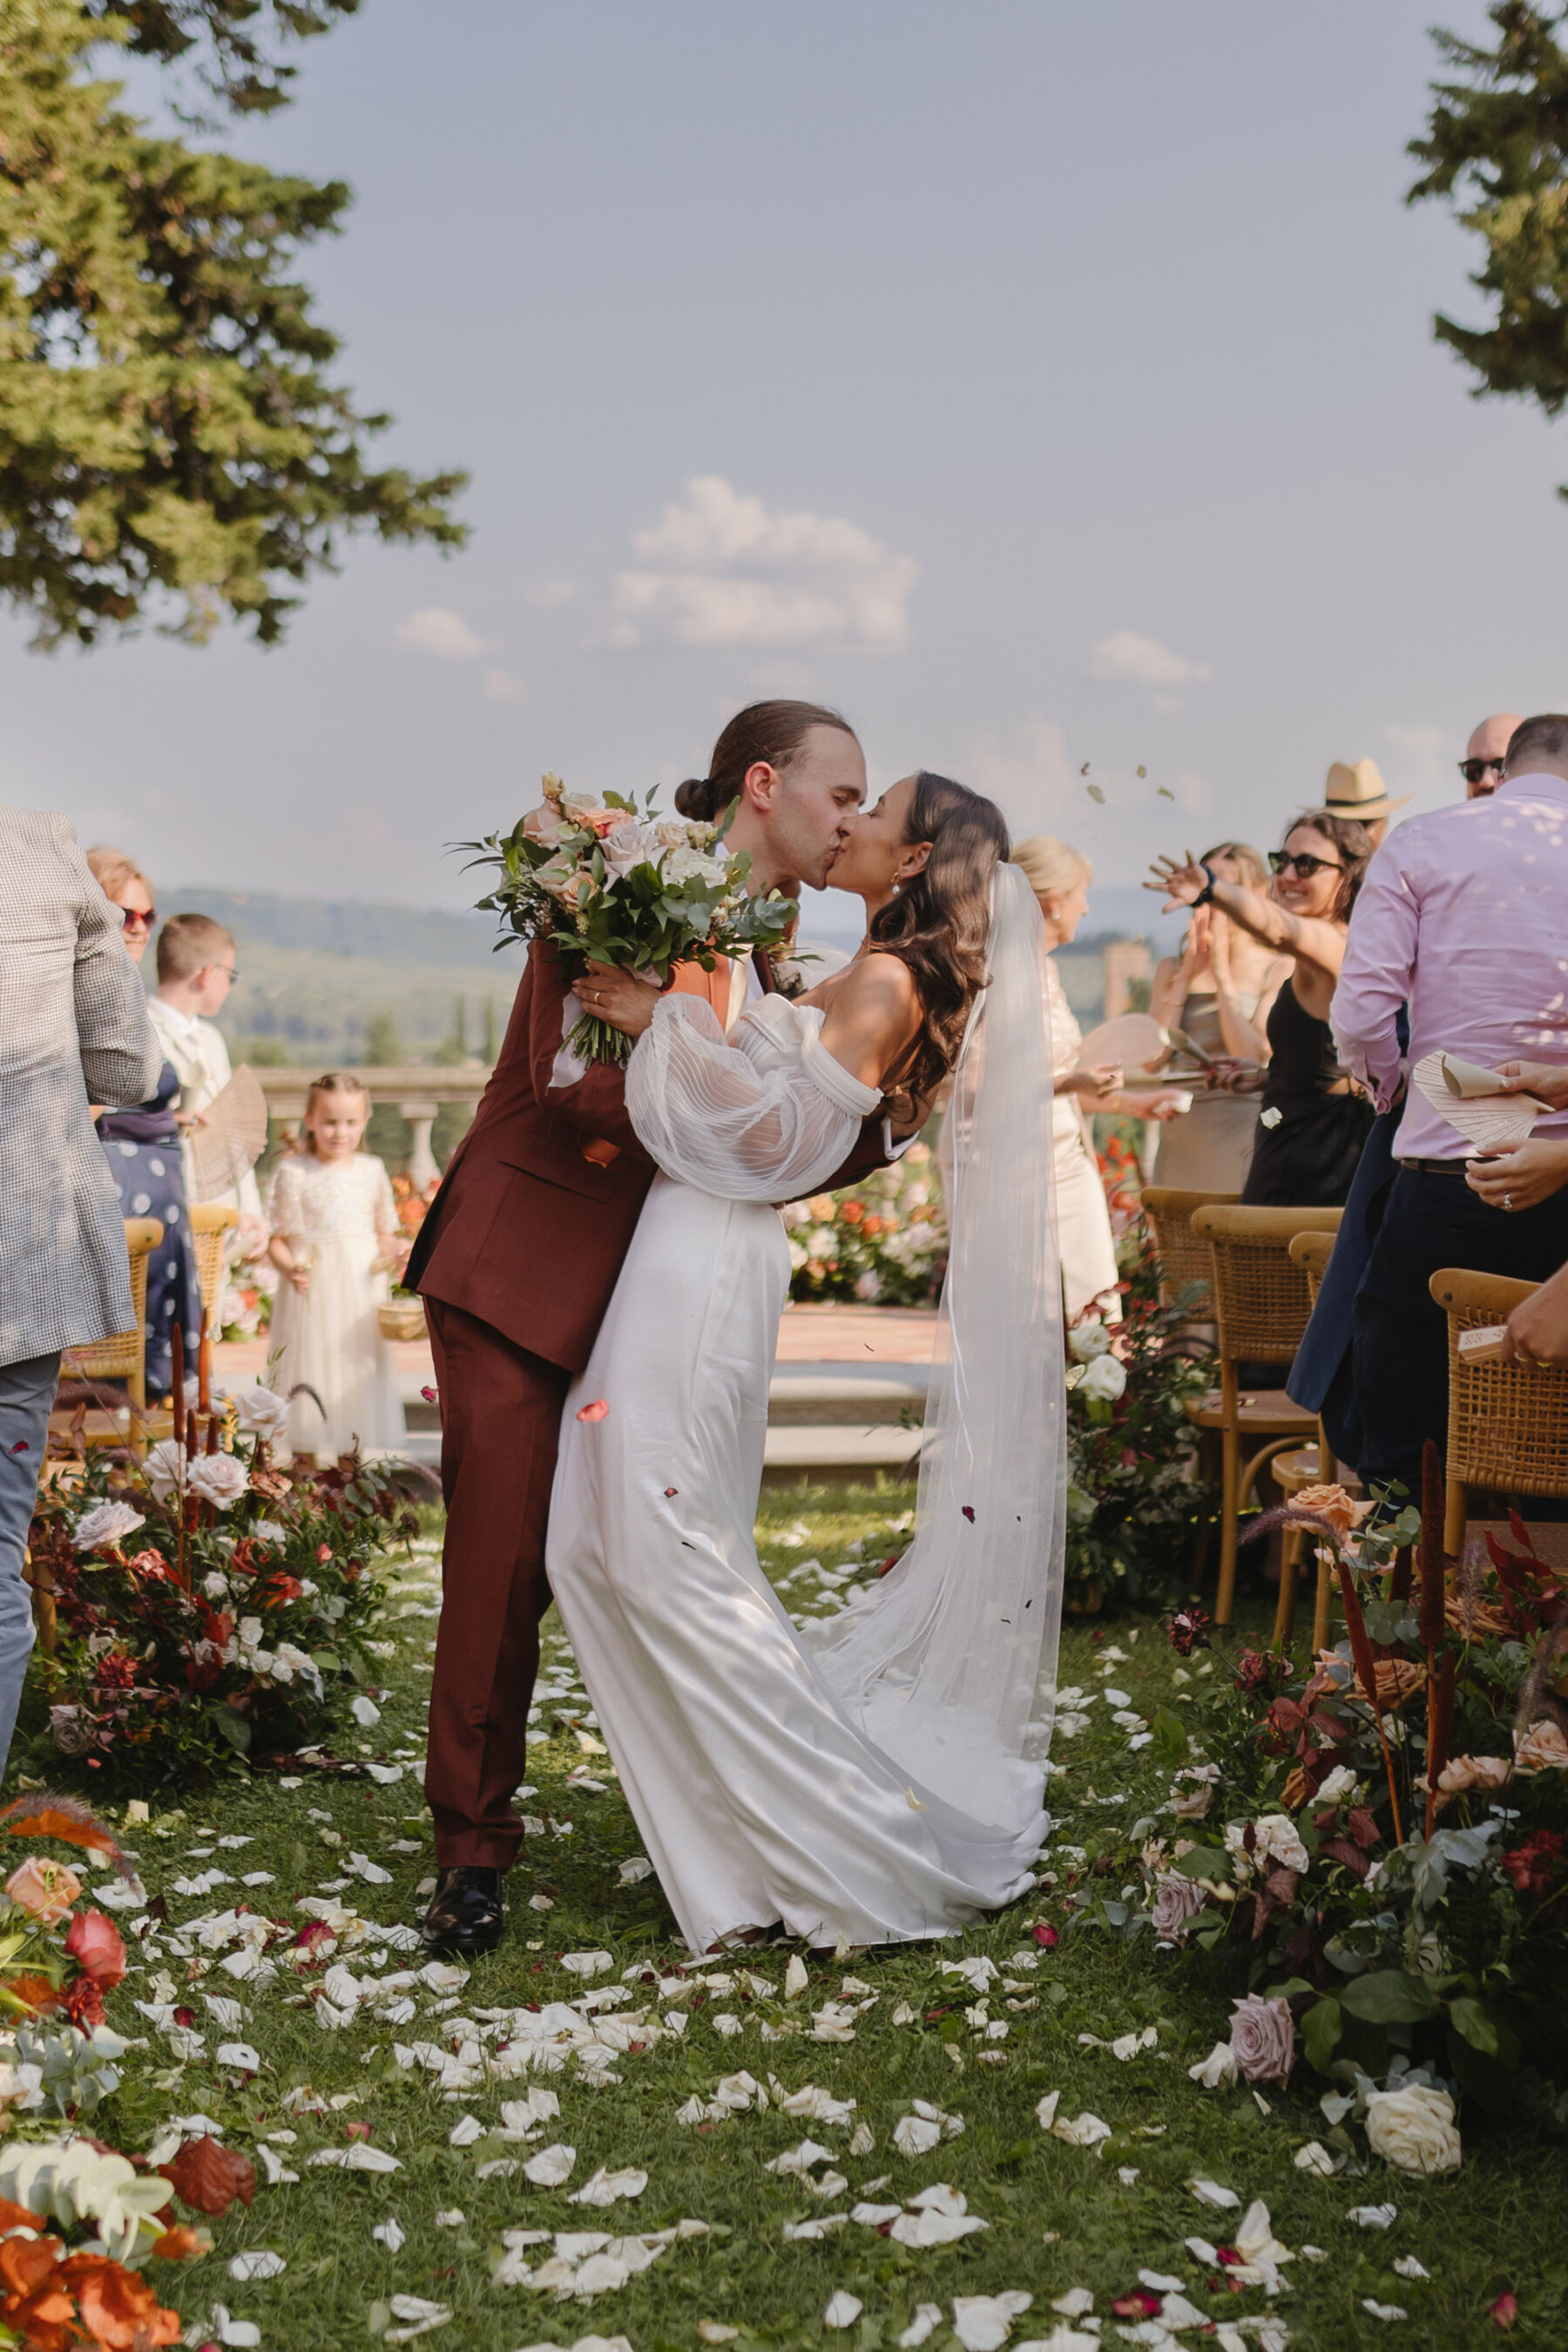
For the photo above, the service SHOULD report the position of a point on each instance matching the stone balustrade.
(417, 1090)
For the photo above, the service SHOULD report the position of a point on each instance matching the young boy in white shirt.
(195, 973)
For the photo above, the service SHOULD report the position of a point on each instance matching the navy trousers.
(1401, 1341)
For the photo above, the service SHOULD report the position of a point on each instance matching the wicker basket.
(402, 1318)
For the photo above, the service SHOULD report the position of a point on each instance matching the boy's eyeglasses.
(1282, 862)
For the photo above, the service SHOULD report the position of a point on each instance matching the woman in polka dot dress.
(142, 1148)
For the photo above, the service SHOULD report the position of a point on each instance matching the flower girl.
(334, 1235)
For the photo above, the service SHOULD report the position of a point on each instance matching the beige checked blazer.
(73, 1030)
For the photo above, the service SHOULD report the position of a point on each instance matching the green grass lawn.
(1061, 2217)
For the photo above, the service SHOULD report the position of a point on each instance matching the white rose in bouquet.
(106, 1523)
(1089, 1340)
(260, 1412)
(630, 843)
(1276, 1839)
(1105, 1377)
(165, 1467)
(219, 1478)
(1414, 2129)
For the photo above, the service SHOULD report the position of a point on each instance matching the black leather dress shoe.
(465, 1914)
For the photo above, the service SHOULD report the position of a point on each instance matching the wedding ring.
(1508, 1200)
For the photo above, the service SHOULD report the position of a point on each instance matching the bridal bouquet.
(614, 885)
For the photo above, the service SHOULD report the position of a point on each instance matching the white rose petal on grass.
(1217, 2071)
(261, 2265)
(795, 1978)
(552, 2165)
(1408, 2267)
(1078, 2300)
(1210, 2193)
(450, 2217)
(1083, 2131)
(391, 2234)
(983, 2323)
(587, 1964)
(926, 2318)
(240, 2054)
(1383, 2310)
(636, 1868)
(1314, 2157)
(605, 2188)
(358, 2157)
(1046, 2113)
(1373, 2217)
(424, 2317)
(242, 2335)
(365, 1710)
(716, 2331)
(843, 2310)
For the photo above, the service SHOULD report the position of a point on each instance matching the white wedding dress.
(877, 1777)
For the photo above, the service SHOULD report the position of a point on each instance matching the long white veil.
(949, 1663)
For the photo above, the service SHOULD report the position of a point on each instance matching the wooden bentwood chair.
(1186, 1276)
(1507, 1423)
(1261, 1303)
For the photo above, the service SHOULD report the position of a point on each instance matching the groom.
(516, 1263)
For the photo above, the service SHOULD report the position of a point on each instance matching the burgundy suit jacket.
(540, 1197)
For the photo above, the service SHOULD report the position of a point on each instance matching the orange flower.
(27, 2262)
(95, 1945)
(1332, 1503)
(119, 2309)
(182, 2244)
(34, 1991)
(44, 1889)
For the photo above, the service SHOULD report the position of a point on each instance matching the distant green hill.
(318, 976)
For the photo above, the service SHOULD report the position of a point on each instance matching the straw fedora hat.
(1355, 789)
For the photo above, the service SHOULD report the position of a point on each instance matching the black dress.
(1307, 1158)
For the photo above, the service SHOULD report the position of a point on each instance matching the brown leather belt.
(1435, 1167)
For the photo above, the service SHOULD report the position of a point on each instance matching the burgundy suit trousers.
(501, 1424)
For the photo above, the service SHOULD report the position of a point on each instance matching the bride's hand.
(619, 998)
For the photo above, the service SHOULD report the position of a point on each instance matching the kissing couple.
(603, 1270)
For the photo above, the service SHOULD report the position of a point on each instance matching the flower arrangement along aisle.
(1377, 1850)
(882, 1242)
(611, 883)
(1134, 1497)
(207, 1605)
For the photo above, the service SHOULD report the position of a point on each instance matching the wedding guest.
(1355, 790)
(335, 1236)
(1462, 920)
(195, 973)
(1219, 992)
(1485, 753)
(1059, 878)
(143, 1146)
(76, 1031)
(1314, 1119)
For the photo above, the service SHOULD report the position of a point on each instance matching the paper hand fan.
(233, 1139)
(1132, 1042)
(1485, 1120)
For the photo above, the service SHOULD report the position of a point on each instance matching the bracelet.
(1205, 895)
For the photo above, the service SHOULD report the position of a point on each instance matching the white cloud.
(546, 595)
(434, 630)
(500, 687)
(1127, 659)
(721, 570)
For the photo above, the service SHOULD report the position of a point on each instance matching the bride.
(876, 1776)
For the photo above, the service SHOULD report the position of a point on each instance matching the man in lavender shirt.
(1463, 916)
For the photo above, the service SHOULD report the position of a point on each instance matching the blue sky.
(1042, 384)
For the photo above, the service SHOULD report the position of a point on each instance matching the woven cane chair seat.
(1507, 1423)
(1185, 1275)
(123, 1355)
(211, 1224)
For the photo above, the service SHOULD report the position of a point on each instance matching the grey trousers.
(27, 1392)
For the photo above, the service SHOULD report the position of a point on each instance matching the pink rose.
(1176, 1901)
(1262, 2039)
(45, 1890)
(94, 1943)
(543, 826)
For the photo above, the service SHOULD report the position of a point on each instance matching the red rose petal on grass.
(1048, 1936)
(208, 2177)
(357, 2131)
(1505, 2311)
(594, 1412)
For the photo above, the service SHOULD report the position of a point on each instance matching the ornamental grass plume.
(1434, 1625)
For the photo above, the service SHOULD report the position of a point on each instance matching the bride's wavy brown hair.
(939, 923)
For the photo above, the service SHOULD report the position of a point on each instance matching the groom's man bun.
(764, 733)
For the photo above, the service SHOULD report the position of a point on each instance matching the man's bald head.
(1481, 766)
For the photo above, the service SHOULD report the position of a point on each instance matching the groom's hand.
(620, 998)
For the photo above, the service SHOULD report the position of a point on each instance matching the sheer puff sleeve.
(763, 1116)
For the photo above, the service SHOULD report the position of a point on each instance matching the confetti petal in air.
(968, 1510)
(594, 1412)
